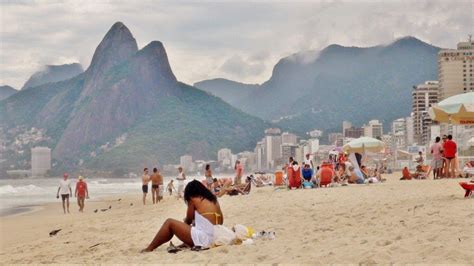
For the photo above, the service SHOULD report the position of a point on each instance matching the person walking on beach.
(157, 188)
(81, 193)
(65, 190)
(450, 149)
(238, 173)
(181, 177)
(208, 175)
(437, 160)
(145, 181)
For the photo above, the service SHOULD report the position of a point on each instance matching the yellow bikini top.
(217, 215)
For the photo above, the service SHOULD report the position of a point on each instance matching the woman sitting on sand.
(203, 209)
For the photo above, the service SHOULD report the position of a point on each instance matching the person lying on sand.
(242, 189)
(356, 176)
(203, 209)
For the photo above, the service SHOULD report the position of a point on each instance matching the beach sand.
(419, 221)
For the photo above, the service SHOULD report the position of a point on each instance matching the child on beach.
(81, 193)
(170, 187)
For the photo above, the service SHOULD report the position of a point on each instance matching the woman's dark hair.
(208, 166)
(196, 189)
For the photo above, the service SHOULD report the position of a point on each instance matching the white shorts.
(436, 163)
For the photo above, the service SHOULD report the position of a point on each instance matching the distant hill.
(228, 90)
(6, 91)
(341, 83)
(53, 73)
(128, 110)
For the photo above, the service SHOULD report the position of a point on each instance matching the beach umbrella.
(457, 109)
(364, 144)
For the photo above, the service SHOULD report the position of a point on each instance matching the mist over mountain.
(125, 111)
(340, 83)
(53, 73)
(6, 91)
(230, 91)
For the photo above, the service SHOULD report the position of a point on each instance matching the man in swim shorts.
(157, 188)
(145, 181)
(81, 193)
(65, 190)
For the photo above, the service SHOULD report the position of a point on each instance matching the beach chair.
(279, 179)
(468, 187)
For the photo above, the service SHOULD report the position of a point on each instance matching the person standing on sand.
(81, 193)
(157, 187)
(181, 177)
(208, 175)
(145, 181)
(238, 173)
(437, 160)
(309, 161)
(450, 149)
(65, 190)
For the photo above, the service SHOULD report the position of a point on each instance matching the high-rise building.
(456, 69)
(424, 95)
(40, 161)
(260, 155)
(410, 130)
(224, 156)
(333, 137)
(374, 129)
(345, 125)
(272, 146)
(288, 138)
(287, 151)
(248, 159)
(354, 132)
(186, 161)
(399, 132)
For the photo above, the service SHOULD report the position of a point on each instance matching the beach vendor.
(203, 209)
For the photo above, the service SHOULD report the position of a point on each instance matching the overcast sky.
(239, 40)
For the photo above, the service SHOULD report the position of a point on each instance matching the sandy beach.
(419, 221)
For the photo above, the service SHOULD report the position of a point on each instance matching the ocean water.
(16, 194)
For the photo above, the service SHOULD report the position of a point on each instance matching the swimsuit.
(154, 186)
(145, 188)
(64, 196)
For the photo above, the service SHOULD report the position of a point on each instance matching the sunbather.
(242, 189)
(203, 209)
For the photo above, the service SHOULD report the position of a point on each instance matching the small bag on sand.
(223, 236)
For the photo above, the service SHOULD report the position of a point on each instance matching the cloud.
(242, 40)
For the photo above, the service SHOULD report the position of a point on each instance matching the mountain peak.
(408, 41)
(152, 60)
(117, 46)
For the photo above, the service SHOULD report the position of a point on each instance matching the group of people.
(80, 192)
(336, 171)
(444, 161)
(157, 187)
